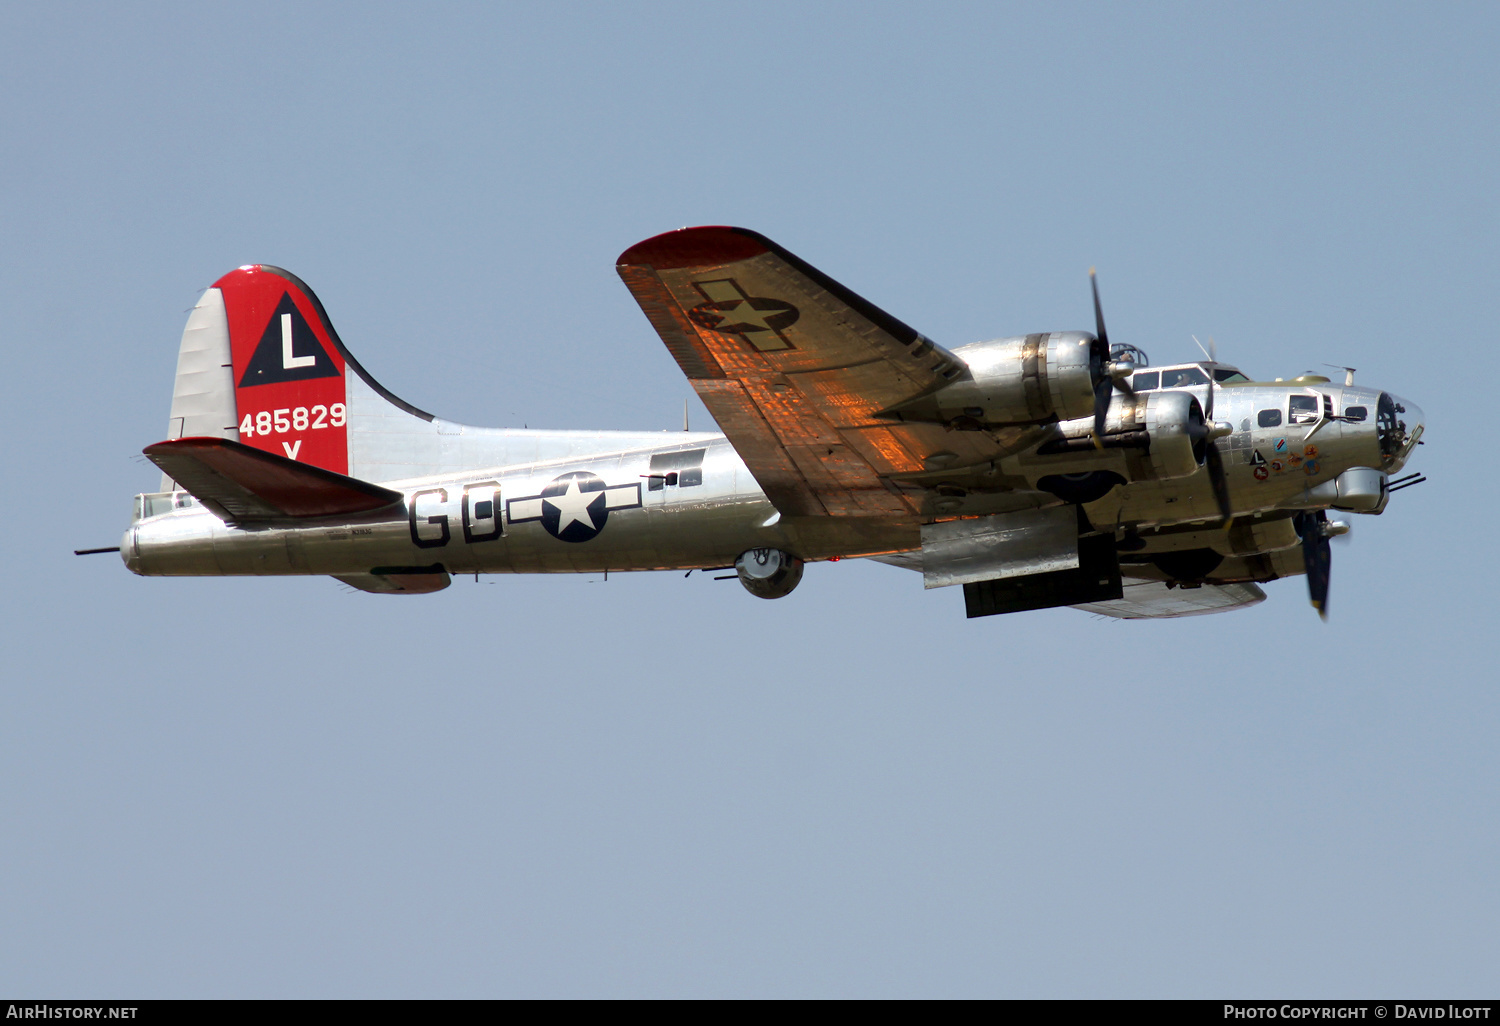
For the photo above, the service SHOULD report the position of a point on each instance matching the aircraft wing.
(1151, 600)
(246, 485)
(794, 367)
(1142, 599)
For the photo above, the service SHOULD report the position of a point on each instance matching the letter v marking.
(292, 448)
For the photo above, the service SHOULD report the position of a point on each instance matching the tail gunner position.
(1039, 470)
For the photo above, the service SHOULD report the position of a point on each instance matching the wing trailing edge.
(244, 485)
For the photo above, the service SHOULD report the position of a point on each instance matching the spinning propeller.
(1211, 457)
(1117, 374)
(1317, 556)
(1315, 530)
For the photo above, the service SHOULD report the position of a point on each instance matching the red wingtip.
(691, 247)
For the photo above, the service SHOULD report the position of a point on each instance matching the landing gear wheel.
(768, 573)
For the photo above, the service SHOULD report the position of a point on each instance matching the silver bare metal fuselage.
(642, 519)
(642, 516)
(1265, 466)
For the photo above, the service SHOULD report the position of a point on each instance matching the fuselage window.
(1304, 409)
(676, 470)
(1184, 377)
(1356, 412)
(1144, 382)
(1268, 418)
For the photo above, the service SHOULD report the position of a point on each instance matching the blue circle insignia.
(574, 507)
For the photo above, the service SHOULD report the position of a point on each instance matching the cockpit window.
(1268, 418)
(1183, 377)
(1145, 382)
(1356, 412)
(1228, 375)
(1304, 409)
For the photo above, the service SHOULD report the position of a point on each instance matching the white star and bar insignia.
(574, 507)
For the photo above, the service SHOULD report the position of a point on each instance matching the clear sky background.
(562, 786)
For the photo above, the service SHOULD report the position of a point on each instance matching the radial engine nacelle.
(1032, 379)
(1165, 432)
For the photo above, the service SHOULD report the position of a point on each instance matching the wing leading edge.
(793, 366)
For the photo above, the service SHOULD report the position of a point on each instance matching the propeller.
(1213, 460)
(1317, 555)
(1115, 372)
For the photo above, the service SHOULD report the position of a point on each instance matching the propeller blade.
(1098, 312)
(1216, 477)
(1115, 368)
(1104, 388)
(1317, 557)
(1103, 393)
(1208, 411)
(1212, 459)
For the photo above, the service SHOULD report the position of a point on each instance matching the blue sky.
(560, 786)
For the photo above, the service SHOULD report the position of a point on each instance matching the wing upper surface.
(246, 485)
(793, 366)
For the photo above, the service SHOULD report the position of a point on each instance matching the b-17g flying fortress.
(1039, 470)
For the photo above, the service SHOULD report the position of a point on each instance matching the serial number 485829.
(279, 422)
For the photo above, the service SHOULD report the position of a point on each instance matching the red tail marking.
(289, 375)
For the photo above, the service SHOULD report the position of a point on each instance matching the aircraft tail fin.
(260, 364)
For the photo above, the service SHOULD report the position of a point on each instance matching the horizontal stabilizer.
(399, 580)
(246, 485)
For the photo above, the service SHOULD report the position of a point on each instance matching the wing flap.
(743, 422)
(794, 367)
(246, 485)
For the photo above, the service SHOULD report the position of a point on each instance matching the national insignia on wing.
(732, 310)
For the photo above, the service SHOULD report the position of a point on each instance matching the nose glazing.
(1399, 425)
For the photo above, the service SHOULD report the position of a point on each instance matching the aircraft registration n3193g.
(1039, 470)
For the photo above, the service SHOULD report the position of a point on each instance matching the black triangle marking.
(268, 365)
